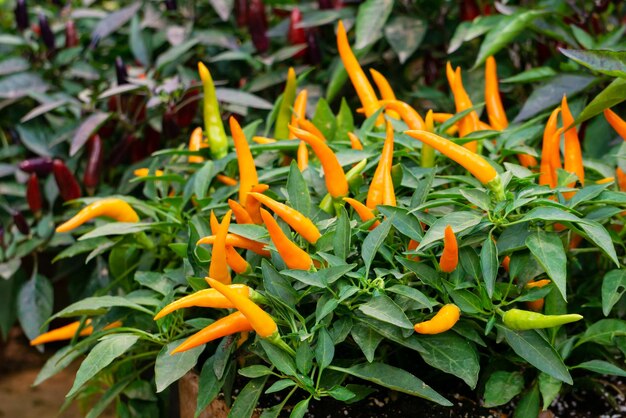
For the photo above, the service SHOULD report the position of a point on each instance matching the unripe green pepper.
(518, 319)
(213, 125)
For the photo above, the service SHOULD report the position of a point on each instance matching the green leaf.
(203, 179)
(298, 191)
(209, 386)
(34, 305)
(112, 22)
(281, 360)
(97, 305)
(547, 249)
(247, 399)
(367, 339)
(501, 387)
(116, 228)
(383, 308)
(601, 367)
(466, 31)
(405, 34)
(304, 357)
(256, 370)
(138, 43)
(19, 85)
(530, 346)
(613, 94)
(411, 293)
(452, 354)
(611, 63)
(459, 221)
(104, 353)
(320, 278)
(504, 33)
(613, 288)
(324, 119)
(528, 406)
(341, 241)
(174, 53)
(549, 388)
(242, 98)
(109, 396)
(603, 332)
(169, 368)
(300, 409)
(370, 20)
(324, 350)
(59, 361)
(345, 121)
(395, 379)
(373, 241)
(406, 223)
(489, 264)
(280, 385)
(531, 76)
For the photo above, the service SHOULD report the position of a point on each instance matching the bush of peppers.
(308, 260)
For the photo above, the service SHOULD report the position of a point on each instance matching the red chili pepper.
(295, 35)
(241, 12)
(91, 178)
(46, 33)
(257, 25)
(469, 10)
(33, 195)
(20, 222)
(21, 15)
(71, 37)
(42, 166)
(69, 189)
(171, 5)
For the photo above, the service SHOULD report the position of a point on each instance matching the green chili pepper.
(213, 125)
(519, 319)
(281, 131)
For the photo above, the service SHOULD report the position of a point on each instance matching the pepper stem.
(278, 342)
(497, 189)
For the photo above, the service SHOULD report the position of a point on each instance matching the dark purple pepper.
(69, 189)
(241, 12)
(20, 222)
(46, 33)
(120, 71)
(91, 177)
(120, 151)
(313, 51)
(171, 5)
(33, 195)
(168, 123)
(42, 166)
(21, 15)
(2, 243)
(257, 25)
(325, 4)
(71, 37)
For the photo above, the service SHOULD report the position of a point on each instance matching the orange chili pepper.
(293, 256)
(621, 178)
(237, 241)
(300, 223)
(407, 113)
(469, 123)
(235, 261)
(206, 298)
(196, 142)
(412, 246)
(361, 84)
(389, 195)
(386, 92)
(252, 205)
(228, 181)
(441, 118)
(299, 108)
(355, 143)
(495, 110)
(308, 126)
(375, 194)
(261, 321)
(113, 208)
(144, 172)
(443, 320)
(450, 255)
(241, 215)
(363, 211)
(547, 170)
(247, 171)
(506, 262)
(231, 324)
(303, 156)
(606, 180)
(573, 155)
(475, 164)
(536, 305)
(616, 122)
(67, 332)
(219, 267)
(334, 175)
(527, 160)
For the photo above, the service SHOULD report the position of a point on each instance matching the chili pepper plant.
(377, 244)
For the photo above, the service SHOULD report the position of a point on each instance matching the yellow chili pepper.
(283, 118)
(300, 223)
(231, 324)
(213, 124)
(355, 143)
(144, 172)
(247, 170)
(299, 109)
(606, 180)
(406, 112)
(219, 266)
(196, 142)
(263, 140)
(111, 207)
(293, 256)
(303, 156)
(334, 175)
(377, 185)
(444, 320)
(428, 152)
(495, 110)
(386, 92)
(206, 298)
(361, 84)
